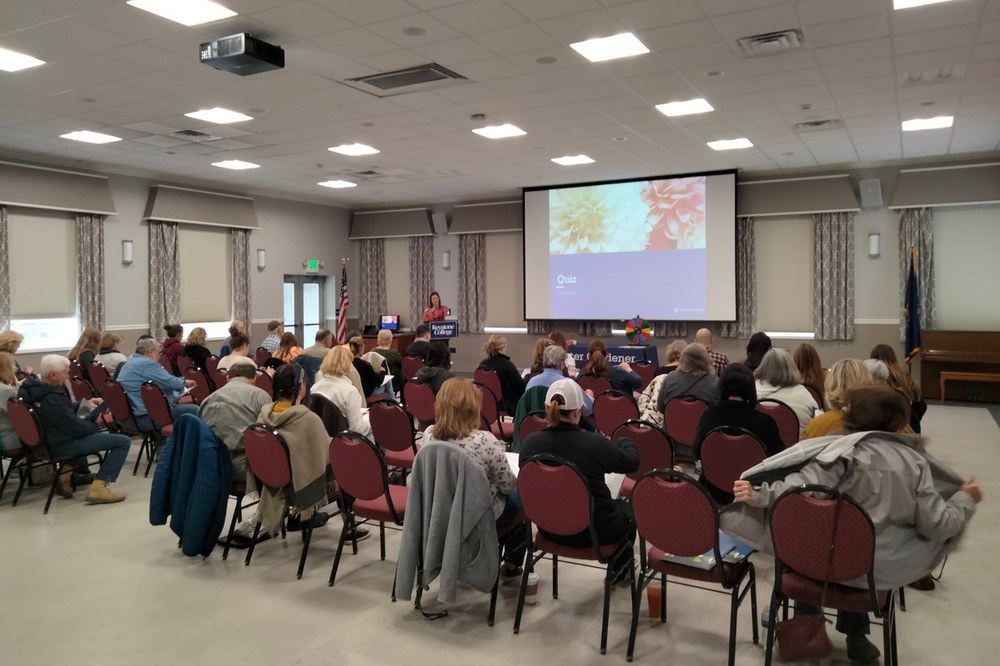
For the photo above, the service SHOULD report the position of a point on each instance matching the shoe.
(245, 529)
(64, 487)
(295, 522)
(925, 584)
(860, 649)
(510, 572)
(360, 534)
(100, 493)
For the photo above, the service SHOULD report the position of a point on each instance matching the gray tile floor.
(98, 584)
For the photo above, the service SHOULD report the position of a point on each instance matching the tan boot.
(64, 486)
(100, 493)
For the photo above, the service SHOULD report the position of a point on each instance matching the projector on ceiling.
(242, 54)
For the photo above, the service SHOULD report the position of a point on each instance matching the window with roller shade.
(42, 255)
(206, 271)
(784, 254)
(966, 271)
(504, 279)
(397, 281)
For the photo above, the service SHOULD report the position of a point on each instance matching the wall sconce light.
(261, 259)
(446, 260)
(127, 252)
(874, 245)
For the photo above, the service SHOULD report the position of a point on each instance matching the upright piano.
(962, 351)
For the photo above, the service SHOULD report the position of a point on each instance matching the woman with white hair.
(846, 375)
(693, 378)
(778, 379)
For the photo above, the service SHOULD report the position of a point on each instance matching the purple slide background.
(664, 284)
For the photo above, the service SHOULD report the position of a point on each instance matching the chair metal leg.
(529, 564)
(6, 476)
(57, 468)
(307, 531)
(381, 540)
(753, 604)
(902, 594)
(340, 550)
(151, 456)
(237, 515)
(636, 607)
(24, 473)
(734, 607)
(772, 619)
(663, 598)
(555, 576)
(607, 610)
(253, 543)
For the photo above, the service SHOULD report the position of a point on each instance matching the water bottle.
(765, 617)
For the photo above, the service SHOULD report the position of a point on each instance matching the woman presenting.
(435, 311)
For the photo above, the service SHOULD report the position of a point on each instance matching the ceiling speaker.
(440, 222)
(871, 193)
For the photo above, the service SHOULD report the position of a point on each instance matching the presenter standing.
(435, 311)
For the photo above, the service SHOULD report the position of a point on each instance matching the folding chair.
(653, 445)
(121, 412)
(784, 416)
(613, 408)
(680, 421)
(597, 385)
(392, 428)
(420, 402)
(158, 411)
(726, 452)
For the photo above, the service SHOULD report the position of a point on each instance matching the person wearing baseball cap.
(592, 454)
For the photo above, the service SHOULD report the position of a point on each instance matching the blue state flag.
(912, 310)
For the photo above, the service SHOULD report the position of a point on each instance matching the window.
(966, 272)
(206, 279)
(504, 280)
(397, 281)
(783, 247)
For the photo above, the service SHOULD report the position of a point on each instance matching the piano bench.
(950, 375)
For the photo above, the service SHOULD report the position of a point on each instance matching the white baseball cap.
(570, 391)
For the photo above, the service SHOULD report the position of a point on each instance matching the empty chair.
(490, 411)
(725, 453)
(263, 382)
(680, 421)
(201, 389)
(261, 355)
(420, 402)
(784, 416)
(532, 422)
(597, 385)
(653, 445)
(158, 410)
(392, 428)
(646, 371)
(611, 409)
(411, 366)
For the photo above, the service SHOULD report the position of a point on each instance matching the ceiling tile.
(479, 16)
(302, 19)
(363, 13)
(646, 14)
(536, 11)
(846, 32)
(434, 30)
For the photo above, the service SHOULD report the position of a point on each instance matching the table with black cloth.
(618, 353)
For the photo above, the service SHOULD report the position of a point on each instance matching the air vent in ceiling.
(411, 79)
(770, 43)
(818, 125)
(194, 136)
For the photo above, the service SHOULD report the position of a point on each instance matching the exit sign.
(312, 265)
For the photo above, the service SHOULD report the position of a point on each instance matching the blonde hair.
(554, 411)
(456, 409)
(10, 341)
(846, 375)
(7, 369)
(384, 337)
(356, 344)
(337, 362)
(90, 340)
(197, 337)
(540, 346)
(109, 340)
(494, 344)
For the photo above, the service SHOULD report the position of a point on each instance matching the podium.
(443, 330)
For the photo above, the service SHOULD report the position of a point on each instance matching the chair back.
(597, 385)
(263, 382)
(491, 380)
(816, 395)
(118, 404)
(219, 377)
(411, 366)
(653, 445)
(675, 514)
(555, 496)
(81, 389)
(212, 364)
(98, 373)
(611, 409)
(392, 427)
(532, 422)
(490, 408)
(74, 369)
(419, 400)
(358, 466)
(333, 419)
(183, 363)
(646, 372)
(25, 422)
(784, 416)
(200, 391)
(267, 455)
(261, 355)
(802, 529)
(680, 420)
(157, 407)
(727, 452)
(167, 364)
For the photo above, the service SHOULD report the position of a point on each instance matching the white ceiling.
(120, 70)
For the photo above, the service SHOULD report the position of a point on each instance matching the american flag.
(345, 301)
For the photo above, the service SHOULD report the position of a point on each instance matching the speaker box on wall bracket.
(871, 193)
(440, 222)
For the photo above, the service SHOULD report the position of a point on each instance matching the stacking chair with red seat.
(125, 421)
(823, 539)
(158, 411)
(81, 389)
(611, 409)
(557, 500)
(261, 356)
(219, 377)
(360, 470)
(75, 370)
(532, 422)
(16, 459)
(784, 416)
(411, 366)
(97, 374)
(167, 364)
(653, 445)
(597, 385)
(211, 364)
(333, 419)
(726, 452)
(392, 428)
(420, 402)
(263, 381)
(680, 421)
(201, 389)
(676, 515)
(183, 363)
(645, 370)
(490, 411)
(491, 380)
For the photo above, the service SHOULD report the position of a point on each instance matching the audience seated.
(811, 369)
(718, 359)
(239, 353)
(456, 421)
(846, 375)
(144, 366)
(497, 360)
(878, 369)
(9, 443)
(196, 349)
(172, 345)
(371, 378)
(67, 433)
(672, 354)
(554, 369)
(739, 397)
(288, 349)
(437, 366)
(237, 327)
(621, 377)
(692, 379)
(558, 338)
(275, 329)
(900, 380)
(233, 408)
(10, 341)
(111, 356)
(86, 348)
(758, 345)
(334, 384)
(593, 455)
(324, 342)
(393, 359)
(536, 359)
(421, 345)
(779, 379)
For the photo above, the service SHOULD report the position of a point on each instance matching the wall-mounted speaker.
(871, 193)
(440, 222)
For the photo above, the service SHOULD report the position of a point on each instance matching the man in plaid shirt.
(719, 361)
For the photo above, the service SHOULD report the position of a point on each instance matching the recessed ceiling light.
(90, 137)
(730, 144)
(219, 116)
(185, 12)
(685, 108)
(500, 131)
(572, 160)
(12, 61)
(353, 149)
(337, 184)
(610, 48)
(907, 4)
(235, 165)
(917, 124)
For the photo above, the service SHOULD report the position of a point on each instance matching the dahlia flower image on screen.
(628, 217)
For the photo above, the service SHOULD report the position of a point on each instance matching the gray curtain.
(916, 230)
(596, 328)
(746, 284)
(90, 269)
(371, 282)
(669, 329)
(421, 276)
(539, 327)
(4, 273)
(164, 276)
(241, 275)
(833, 276)
(471, 282)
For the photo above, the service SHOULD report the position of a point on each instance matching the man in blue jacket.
(144, 366)
(66, 433)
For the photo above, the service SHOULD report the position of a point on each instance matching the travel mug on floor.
(653, 595)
